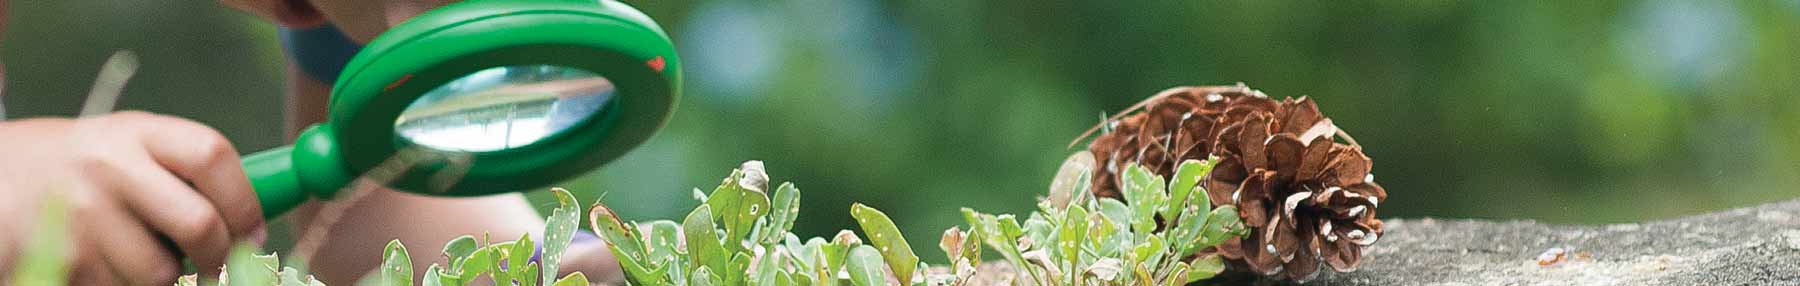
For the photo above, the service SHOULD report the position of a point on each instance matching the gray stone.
(1750, 246)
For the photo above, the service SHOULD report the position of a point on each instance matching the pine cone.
(1305, 197)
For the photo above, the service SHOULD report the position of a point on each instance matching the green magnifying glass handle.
(289, 175)
(277, 186)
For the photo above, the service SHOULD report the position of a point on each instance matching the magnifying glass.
(531, 92)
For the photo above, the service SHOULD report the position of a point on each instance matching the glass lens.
(503, 107)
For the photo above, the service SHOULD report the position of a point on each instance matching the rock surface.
(1750, 246)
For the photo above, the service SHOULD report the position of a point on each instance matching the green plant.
(41, 261)
(1160, 235)
(739, 236)
(507, 263)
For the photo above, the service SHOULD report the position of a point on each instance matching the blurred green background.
(1562, 111)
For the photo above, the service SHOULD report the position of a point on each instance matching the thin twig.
(110, 83)
(1240, 87)
(1128, 110)
(1347, 138)
(376, 178)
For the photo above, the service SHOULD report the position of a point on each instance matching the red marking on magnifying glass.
(396, 83)
(657, 64)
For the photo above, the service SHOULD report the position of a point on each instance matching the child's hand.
(143, 190)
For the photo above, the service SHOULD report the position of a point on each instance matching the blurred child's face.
(363, 19)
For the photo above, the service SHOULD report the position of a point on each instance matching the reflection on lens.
(503, 107)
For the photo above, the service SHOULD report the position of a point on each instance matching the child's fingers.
(203, 157)
(91, 269)
(172, 209)
(126, 246)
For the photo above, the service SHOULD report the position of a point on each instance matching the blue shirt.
(320, 52)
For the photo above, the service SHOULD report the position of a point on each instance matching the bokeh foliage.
(1565, 111)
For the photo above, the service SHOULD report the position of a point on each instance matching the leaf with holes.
(703, 244)
(1144, 191)
(559, 230)
(1182, 186)
(396, 269)
(886, 238)
(737, 208)
(613, 230)
(785, 209)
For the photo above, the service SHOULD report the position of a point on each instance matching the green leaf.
(663, 244)
(1009, 226)
(1147, 254)
(782, 215)
(1206, 267)
(971, 250)
(737, 208)
(498, 268)
(1103, 235)
(1142, 273)
(958, 244)
(293, 277)
(1002, 233)
(838, 248)
(783, 278)
(703, 277)
(1144, 191)
(43, 259)
(1221, 224)
(988, 229)
(1116, 211)
(1186, 235)
(830, 257)
(559, 229)
(396, 267)
(703, 240)
(528, 276)
(432, 276)
(768, 265)
(806, 255)
(1179, 277)
(614, 231)
(735, 271)
(244, 267)
(920, 272)
(1073, 232)
(637, 272)
(480, 261)
(574, 279)
(457, 250)
(520, 255)
(864, 266)
(887, 238)
(1041, 231)
(1187, 177)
